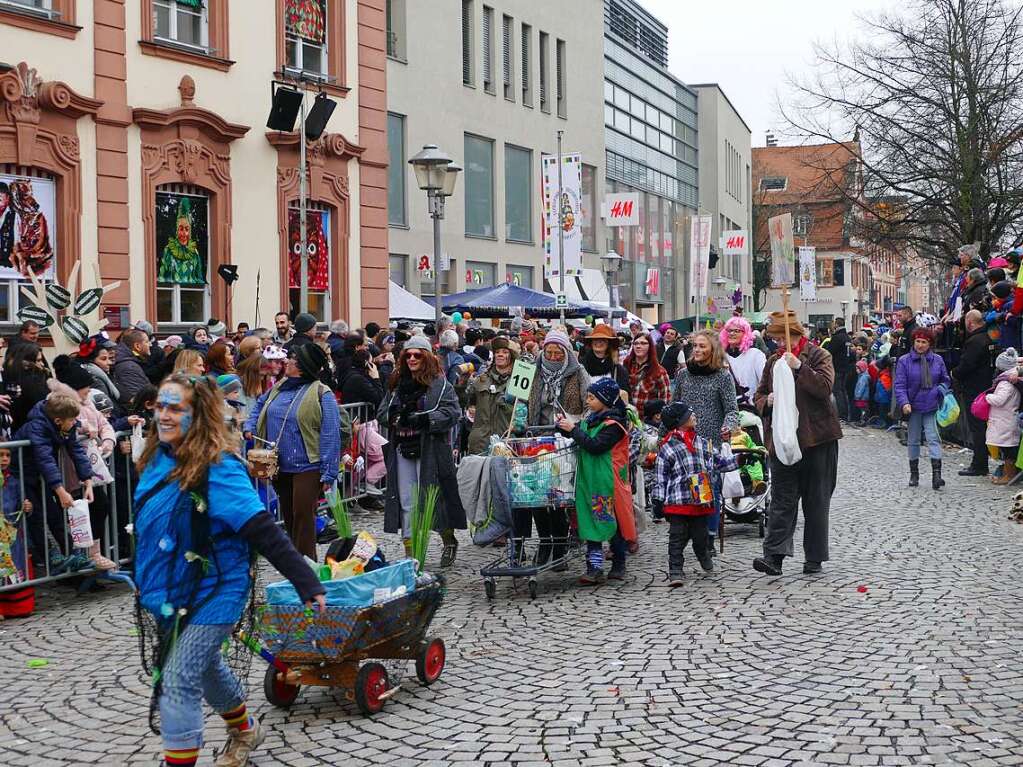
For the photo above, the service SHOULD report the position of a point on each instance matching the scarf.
(597, 366)
(925, 370)
(699, 370)
(409, 391)
(289, 384)
(733, 351)
(552, 379)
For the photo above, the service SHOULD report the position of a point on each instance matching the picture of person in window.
(33, 251)
(6, 225)
(181, 262)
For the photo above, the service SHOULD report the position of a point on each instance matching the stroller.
(751, 508)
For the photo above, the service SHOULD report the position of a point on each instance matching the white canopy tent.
(405, 306)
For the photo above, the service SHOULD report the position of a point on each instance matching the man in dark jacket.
(810, 481)
(669, 351)
(155, 364)
(905, 345)
(305, 332)
(972, 376)
(128, 373)
(842, 358)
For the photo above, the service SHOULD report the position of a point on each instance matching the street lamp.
(436, 175)
(612, 264)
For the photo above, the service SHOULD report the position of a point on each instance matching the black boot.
(769, 564)
(914, 473)
(936, 481)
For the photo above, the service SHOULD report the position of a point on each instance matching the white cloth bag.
(785, 418)
(731, 481)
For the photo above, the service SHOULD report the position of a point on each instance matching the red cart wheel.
(430, 661)
(278, 692)
(370, 684)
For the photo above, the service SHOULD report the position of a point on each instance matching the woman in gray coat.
(420, 410)
(706, 385)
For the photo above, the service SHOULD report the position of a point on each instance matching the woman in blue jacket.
(921, 381)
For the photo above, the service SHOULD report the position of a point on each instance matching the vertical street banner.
(808, 274)
(783, 255)
(562, 207)
(699, 249)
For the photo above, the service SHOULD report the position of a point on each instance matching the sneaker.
(675, 580)
(592, 577)
(241, 743)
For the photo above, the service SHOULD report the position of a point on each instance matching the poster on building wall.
(808, 274)
(564, 206)
(317, 235)
(182, 238)
(699, 254)
(734, 243)
(783, 255)
(27, 239)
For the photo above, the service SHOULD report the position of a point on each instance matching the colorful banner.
(27, 242)
(182, 238)
(699, 254)
(317, 236)
(808, 274)
(783, 254)
(305, 19)
(562, 205)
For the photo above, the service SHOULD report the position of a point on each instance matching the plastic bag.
(948, 413)
(100, 471)
(731, 481)
(78, 524)
(138, 442)
(785, 419)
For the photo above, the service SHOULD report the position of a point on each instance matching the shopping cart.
(327, 649)
(541, 475)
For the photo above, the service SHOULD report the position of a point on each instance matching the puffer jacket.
(47, 441)
(909, 382)
(129, 375)
(92, 424)
(1002, 423)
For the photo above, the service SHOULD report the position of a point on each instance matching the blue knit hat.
(675, 414)
(606, 390)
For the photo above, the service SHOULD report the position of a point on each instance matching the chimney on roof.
(772, 141)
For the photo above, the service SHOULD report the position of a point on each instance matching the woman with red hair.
(745, 360)
(647, 378)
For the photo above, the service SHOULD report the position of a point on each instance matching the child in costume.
(752, 473)
(197, 522)
(13, 555)
(683, 488)
(861, 394)
(603, 496)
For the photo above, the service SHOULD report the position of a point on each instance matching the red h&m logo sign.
(734, 243)
(622, 209)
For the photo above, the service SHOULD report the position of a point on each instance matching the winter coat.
(1002, 423)
(862, 392)
(818, 419)
(840, 347)
(436, 464)
(670, 357)
(92, 424)
(712, 398)
(909, 382)
(101, 381)
(33, 391)
(43, 460)
(359, 387)
(676, 465)
(493, 413)
(747, 369)
(573, 394)
(973, 373)
(129, 375)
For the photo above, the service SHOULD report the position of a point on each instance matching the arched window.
(28, 234)
(182, 224)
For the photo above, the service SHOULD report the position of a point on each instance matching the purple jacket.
(908, 386)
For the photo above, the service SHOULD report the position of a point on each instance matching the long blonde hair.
(185, 359)
(205, 441)
(717, 351)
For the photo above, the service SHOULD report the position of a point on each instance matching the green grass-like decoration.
(424, 504)
(339, 510)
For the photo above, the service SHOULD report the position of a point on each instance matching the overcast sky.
(748, 46)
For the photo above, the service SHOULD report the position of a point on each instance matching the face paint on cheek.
(186, 422)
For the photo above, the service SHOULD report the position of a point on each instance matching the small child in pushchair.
(751, 507)
(751, 463)
(644, 443)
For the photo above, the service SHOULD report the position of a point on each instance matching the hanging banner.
(652, 284)
(562, 206)
(317, 235)
(734, 243)
(27, 242)
(182, 237)
(305, 19)
(808, 274)
(699, 249)
(783, 255)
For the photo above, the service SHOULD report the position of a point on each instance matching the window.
(801, 224)
(488, 49)
(825, 273)
(467, 48)
(506, 53)
(520, 276)
(305, 36)
(396, 29)
(182, 252)
(561, 75)
(527, 81)
(319, 271)
(42, 7)
(518, 200)
(588, 209)
(184, 22)
(20, 185)
(479, 186)
(839, 272)
(479, 274)
(397, 268)
(396, 170)
(545, 55)
(773, 183)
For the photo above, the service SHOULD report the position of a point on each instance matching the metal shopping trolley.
(541, 475)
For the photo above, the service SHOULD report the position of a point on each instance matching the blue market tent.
(505, 300)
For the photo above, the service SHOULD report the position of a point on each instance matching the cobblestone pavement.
(734, 668)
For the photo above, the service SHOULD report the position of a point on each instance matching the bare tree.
(934, 95)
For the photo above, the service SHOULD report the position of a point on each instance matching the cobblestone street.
(923, 667)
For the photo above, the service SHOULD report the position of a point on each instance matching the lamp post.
(436, 175)
(612, 264)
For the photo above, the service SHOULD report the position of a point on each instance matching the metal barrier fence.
(43, 535)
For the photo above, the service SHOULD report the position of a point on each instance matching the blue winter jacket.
(42, 460)
(909, 386)
(862, 391)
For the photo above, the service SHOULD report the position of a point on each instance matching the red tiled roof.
(814, 173)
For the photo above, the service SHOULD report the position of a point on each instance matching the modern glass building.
(650, 120)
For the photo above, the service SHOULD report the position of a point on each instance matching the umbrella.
(504, 300)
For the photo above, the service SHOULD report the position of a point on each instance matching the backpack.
(882, 395)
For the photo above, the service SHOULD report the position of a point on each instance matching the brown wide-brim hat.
(504, 343)
(603, 332)
(776, 324)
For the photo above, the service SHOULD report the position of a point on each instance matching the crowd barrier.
(115, 541)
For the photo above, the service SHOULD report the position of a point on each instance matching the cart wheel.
(370, 683)
(430, 661)
(490, 587)
(278, 692)
(532, 589)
